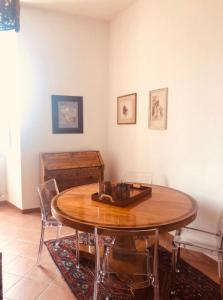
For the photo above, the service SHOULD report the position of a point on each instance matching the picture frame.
(126, 109)
(158, 101)
(67, 114)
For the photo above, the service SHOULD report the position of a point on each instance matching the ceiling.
(99, 9)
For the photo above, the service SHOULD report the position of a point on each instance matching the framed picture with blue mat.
(67, 114)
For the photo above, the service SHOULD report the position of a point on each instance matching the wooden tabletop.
(167, 209)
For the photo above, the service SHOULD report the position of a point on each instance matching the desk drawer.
(73, 177)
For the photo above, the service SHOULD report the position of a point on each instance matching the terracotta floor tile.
(8, 257)
(36, 224)
(30, 235)
(45, 256)
(21, 247)
(20, 266)
(8, 229)
(49, 265)
(56, 292)
(26, 289)
(45, 272)
(9, 280)
(4, 240)
(59, 280)
(18, 220)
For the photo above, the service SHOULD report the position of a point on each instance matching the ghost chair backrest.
(137, 177)
(47, 191)
(159, 179)
(220, 224)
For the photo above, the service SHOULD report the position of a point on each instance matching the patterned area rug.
(191, 284)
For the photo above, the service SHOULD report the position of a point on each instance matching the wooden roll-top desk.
(71, 169)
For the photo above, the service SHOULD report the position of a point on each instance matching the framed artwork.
(126, 109)
(67, 114)
(158, 108)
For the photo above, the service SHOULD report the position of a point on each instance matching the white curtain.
(8, 98)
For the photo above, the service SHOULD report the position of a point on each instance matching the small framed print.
(67, 114)
(158, 108)
(126, 109)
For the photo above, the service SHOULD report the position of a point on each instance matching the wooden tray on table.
(122, 194)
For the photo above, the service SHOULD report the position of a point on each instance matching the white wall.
(61, 55)
(179, 45)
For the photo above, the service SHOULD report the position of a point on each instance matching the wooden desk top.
(167, 209)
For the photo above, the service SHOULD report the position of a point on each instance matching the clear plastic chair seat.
(51, 221)
(198, 239)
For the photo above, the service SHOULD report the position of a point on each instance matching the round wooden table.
(167, 209)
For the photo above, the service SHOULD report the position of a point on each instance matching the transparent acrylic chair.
(159, 179)
(202, 241)
(46, 192)
(137, 177)
(107, 244)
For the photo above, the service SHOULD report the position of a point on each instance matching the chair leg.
(97, 265)
(150, 270)
(40, 244)
(95, 290)
(104, 267)
(148, 261)
(156, 270)
(58, 231)
(77, 249)
(88, 238)
(175, 257)
(57, 235)
(156, 283)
